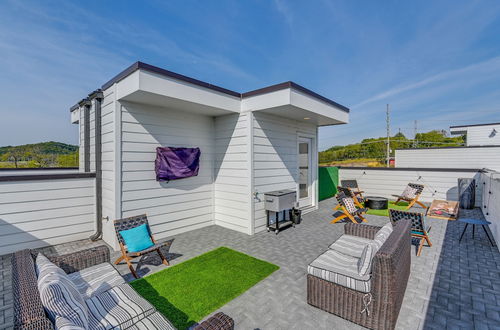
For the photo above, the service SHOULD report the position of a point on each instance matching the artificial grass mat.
(399, 206)
(187, 292)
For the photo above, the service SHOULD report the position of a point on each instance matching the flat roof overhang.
(296, 104)
(146, 84)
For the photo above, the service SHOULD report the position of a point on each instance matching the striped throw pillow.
(60, 296)
(365, 261)
(382, 236)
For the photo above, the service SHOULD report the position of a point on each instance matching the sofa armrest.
(74, 262)
(361, 230)
(218, 321)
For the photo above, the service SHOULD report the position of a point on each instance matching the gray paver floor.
(452, 285)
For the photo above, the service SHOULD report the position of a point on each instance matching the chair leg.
(337, 219)
(488, 235)
(337, 207)
(411, 204)
(463, 232)
(421, 204)
(362, 218)
(420, 246)
(397, 201)
(119, 260)
(352, 218)
(163, 259)
(131, 267)
(428, 240)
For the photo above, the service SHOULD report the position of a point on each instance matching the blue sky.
(437, 62)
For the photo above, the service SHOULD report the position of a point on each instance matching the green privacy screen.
(328, 182)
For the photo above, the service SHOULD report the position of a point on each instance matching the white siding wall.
(108, 140)
(177, 206)
(46, 212)
(475, 157)
(482, 135)
(275, 157)
(232, 173)
(491, 201)
(385, 183)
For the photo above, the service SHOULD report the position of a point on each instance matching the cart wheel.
(268, 229)
(276, 232)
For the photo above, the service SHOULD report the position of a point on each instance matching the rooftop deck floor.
(452, 285)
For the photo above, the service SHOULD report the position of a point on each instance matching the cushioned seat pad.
(94, 280)
(351, 245)
(119, 307)
(153, 321)
(341, 269)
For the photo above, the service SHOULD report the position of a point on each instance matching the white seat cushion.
(153, 321)
(97, 279)
(119, 307)
(339, 268)
(351, 245)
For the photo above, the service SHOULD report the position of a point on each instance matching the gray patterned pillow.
(60, 297)
(382, 236)
(365, 261)
(349, 205)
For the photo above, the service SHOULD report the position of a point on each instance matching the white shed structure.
(250, 143)
(479, 134)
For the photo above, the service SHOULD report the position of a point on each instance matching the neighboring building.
(482, 151)
(479, 134)
(250, 143)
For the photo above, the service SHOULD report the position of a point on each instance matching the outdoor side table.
(475, 222)
(376, 203)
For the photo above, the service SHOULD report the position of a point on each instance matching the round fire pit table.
(376, 203)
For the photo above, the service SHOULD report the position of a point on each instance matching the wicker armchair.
(29, 313)
(378, 309)
(129, 223)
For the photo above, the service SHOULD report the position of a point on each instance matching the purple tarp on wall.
(176, 163)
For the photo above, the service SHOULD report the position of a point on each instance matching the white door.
(305, 172)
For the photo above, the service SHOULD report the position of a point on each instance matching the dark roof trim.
(38, 169)
(147, 67)
(37, 177)
(464, 147)
(292, 85)
(421, 169)
(155, 69)
(474, 125)
(75, 107)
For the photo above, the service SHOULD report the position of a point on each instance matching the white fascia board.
(306, 102)
(75, 116)
(266, 101)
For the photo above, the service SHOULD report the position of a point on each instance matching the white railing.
(40, 208)
(490, 180)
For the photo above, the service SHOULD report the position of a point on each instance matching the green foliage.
(188, 292)
(375, 148)
(45, 154)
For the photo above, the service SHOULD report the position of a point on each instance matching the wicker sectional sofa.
(99, 283)
(372, 302)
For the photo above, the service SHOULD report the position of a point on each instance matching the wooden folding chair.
(129, 223)
(411, 194)
(353, 185)
(358, 200)
(418, 228)
(348, 209)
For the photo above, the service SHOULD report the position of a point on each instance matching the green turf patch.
(187, 292)
(385, 213)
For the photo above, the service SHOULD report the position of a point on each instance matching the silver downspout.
(97, 96)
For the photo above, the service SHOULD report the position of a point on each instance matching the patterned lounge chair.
(411, 194)
(418, 228)
(358, 200)
(353, 185)
(129, 223)
(349, 209)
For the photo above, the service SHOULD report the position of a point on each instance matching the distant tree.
(70, 160)
(15, 155)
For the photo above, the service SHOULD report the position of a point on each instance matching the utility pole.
(415, 142)
(388, 135)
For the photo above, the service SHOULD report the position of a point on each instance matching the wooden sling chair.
(418, 228)
(349, 209)
(358, 200)
(353, 185)
(129, 223)
(411, 194)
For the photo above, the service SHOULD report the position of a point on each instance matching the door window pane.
(303, 170)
